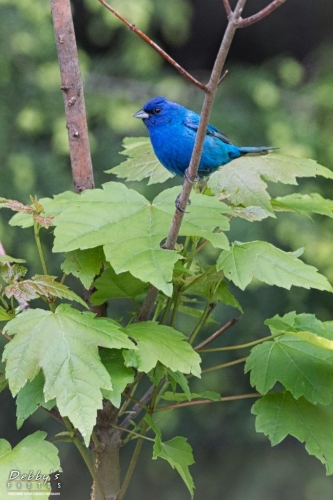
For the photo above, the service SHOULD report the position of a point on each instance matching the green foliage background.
(282, 102)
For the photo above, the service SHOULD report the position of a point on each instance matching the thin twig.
(137, 409)
(205, 401)
(243, 23)
(216, 334)
(223, 77)
(227, 7)
(154, 45)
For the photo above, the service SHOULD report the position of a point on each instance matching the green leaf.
(180, 379)
(261, 260)
(223, 294)
(279, 415)
(64, 345)
(178, 453)
(304, 367)
(162, 343)
(250, 213)
(141, 163)
(41, 286)
(52, 207)
(304, 204)
(131, 229)
(3, 380)
(120, 374)
(7, 258)
(241, 180)
(84, 264)
(116, 286)
(4, 316)
(33, 453)
(11, 274)
(30, 397)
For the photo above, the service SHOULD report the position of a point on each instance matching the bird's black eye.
(157, 110)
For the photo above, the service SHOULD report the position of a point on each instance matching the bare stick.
(243, 23)
(158, 49)
(71, 85)
(216, 334)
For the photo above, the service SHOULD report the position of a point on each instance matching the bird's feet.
(179, 208)
(187, 176)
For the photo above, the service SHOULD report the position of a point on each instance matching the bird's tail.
(262, 150)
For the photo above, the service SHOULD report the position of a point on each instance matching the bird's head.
(158, 111)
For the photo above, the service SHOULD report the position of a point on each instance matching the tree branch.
(71, 85)
(243, 23)
(154, 45)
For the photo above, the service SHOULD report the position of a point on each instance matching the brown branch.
(154, 45)
(216, 334)
(243, 23)
(71, 85)
(205, 401)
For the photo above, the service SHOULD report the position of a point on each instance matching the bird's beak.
(141, 114)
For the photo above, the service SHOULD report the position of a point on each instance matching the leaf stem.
(241, 346)
(133, 433)
(176, 302)
(167, 310)
(224, 365)
(210, 306)
(37, 228)
(205, 401)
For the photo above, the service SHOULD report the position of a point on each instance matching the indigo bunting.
(172, 130)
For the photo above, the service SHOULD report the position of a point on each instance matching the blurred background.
(279, 92)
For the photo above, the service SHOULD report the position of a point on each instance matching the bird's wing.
(192, 121)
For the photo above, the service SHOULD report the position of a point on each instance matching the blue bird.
(172, 130)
